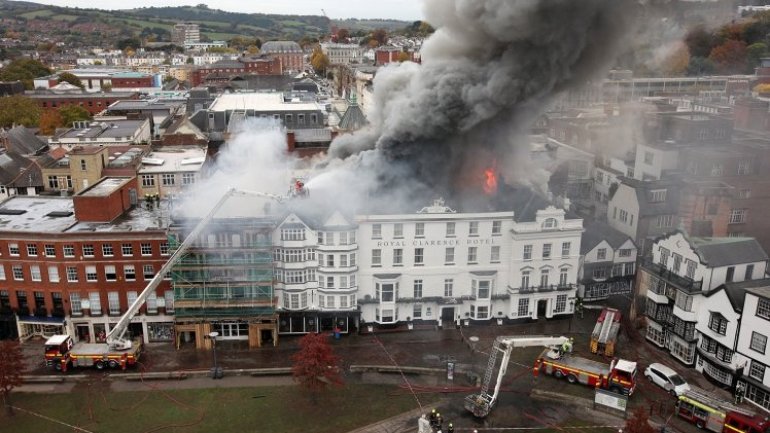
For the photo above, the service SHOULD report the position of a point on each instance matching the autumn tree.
(18, 110)
(403, 56)
(700, 42)
(24, 70)
(381, 36)
(343, 35)
(11, 368)
(729, 57)
(70, 78)
(72, 113)
(316, 365)
(319, 61)
(638, 422)
(49, 121)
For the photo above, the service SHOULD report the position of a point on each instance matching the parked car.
(666, 378)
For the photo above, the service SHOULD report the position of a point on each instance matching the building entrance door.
(448, 316)
(542, 306)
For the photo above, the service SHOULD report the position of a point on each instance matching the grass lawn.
(285, 409)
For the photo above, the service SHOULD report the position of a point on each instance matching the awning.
(41, 320)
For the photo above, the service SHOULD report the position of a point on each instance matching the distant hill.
(215, 24)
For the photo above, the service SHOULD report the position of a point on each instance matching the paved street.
(426, 347)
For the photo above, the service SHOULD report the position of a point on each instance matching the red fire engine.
(719, 416)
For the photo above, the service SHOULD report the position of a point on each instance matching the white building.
(752, 344)
(436, 266)
(342, 54)
(105, 133)
(169, 170)
(679, 274)
(607, 262)
(439, 265)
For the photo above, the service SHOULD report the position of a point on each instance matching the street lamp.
(216, 370)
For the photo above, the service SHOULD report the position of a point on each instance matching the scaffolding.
(226, 276)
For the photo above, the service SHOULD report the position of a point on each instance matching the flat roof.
(259, 102)
(106, 129)
(111, 95)
(34, 214)
(173, 159)
(104, 187)
(54, 214)
(134, 104)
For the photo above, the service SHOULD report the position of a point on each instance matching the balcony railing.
(684, 283)
(546, 288)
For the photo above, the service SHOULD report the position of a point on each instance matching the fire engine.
(605, 332)
(719, 416)
(119, 350)
(557, 359)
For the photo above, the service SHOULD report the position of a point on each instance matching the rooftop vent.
(12, 211)
(59, 213)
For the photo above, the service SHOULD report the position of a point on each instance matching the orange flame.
(490, 181)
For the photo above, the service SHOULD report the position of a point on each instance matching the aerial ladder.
(481, 404)
(116, 338)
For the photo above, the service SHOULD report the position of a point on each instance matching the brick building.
(289, 52)
(75, 264)
(228, 69)
(95, 103)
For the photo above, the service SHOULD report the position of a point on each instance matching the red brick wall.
(120, 82)
(79, 262)
(94, 104)
(104, 208)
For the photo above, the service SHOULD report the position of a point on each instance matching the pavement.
(427, 347)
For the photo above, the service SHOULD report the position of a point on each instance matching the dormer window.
(550, 223)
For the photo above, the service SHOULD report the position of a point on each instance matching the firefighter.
(432, 416)
(450, 428)
(439, 421)
(739, 393)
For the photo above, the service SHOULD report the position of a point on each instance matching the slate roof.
(261, 82)
(648, 208)
(736, 292)
(280, 47)
(596, 232)
(19, 171)
(24, 142)
(726, 251)
(353, 119)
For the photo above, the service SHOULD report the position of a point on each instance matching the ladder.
(701, 396)
(490, 367)
(609, 320)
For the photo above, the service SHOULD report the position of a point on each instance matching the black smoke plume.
(486, 73)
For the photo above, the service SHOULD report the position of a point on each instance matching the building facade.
(674, 278)
(70, 267)
(607, 263)
(289, 52)
(752, 344)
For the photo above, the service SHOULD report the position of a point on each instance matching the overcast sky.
(408, 10)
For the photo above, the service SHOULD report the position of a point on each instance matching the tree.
(700, 66)
(638, 422)
(127, 43)
(700, 42)
(403, 56)
(70, 78)
(49, 121)
(72, 113)
(316, 365)
(755, 52)
(677, 61)
(319, 61)
(381, 36)
(25, 70)
(730, 57)
(18, 110)
(343, 35)
(11, 368)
